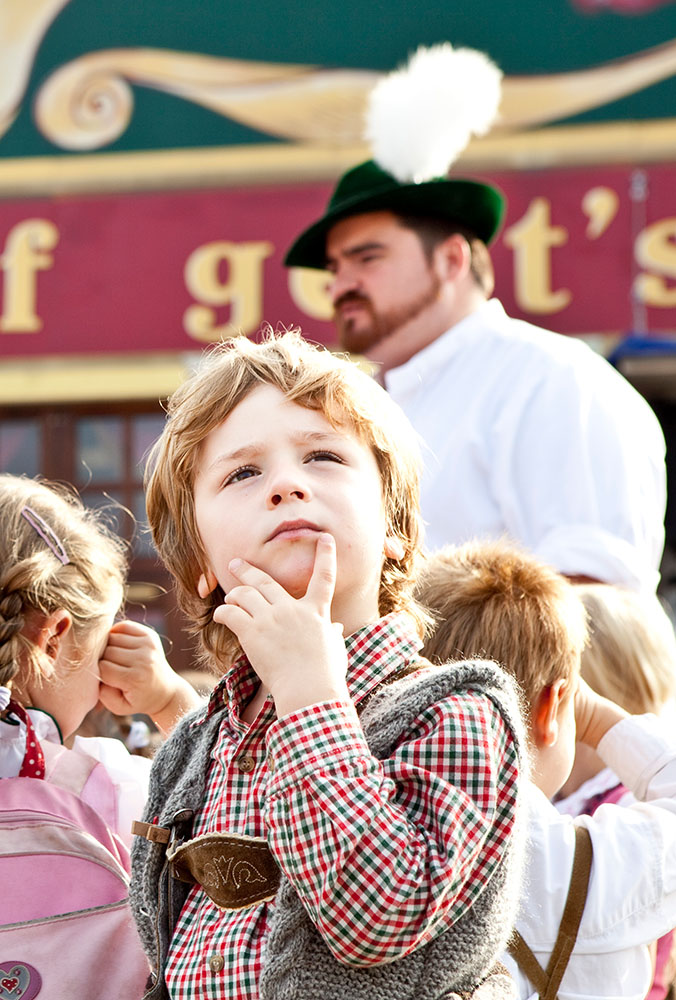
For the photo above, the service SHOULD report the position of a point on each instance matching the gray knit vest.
(297, 963)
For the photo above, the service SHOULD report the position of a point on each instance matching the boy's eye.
(245, 472)
(324, 456)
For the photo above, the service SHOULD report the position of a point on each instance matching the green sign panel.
(83, 77)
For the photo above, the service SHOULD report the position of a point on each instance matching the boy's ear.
(394, 547)
(206, 584)
(545, 713)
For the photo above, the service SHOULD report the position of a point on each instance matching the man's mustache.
(348, 297)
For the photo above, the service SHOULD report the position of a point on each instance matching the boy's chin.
(296, 585)
(295, 578)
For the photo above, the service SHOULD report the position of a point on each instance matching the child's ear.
(545, 713)
(394, 547)
(206, 584)
(52, 631)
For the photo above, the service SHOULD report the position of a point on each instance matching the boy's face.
(270, 478)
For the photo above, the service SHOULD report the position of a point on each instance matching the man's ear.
(545, 714)
(455, 256)
(206, 584)
(394, 548)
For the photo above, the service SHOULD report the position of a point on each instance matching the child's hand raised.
(594, 715)
(292, 644)
(135, 677)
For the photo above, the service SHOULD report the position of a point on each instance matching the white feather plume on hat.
(420, 117)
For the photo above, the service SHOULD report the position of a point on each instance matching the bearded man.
(529, 435)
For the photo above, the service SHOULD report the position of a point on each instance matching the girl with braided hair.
(62, 576)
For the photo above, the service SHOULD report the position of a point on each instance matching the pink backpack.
(66, 930)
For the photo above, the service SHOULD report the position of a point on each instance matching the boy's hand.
(292, 644)
(135, 677)
(594, 715)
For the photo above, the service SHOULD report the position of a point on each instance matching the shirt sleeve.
(386, 854)
(580, 471)
(632, 890)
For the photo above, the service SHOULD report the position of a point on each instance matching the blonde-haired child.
(630, 659)
(341, 819)
(631, 655)
(67, 802)
(62, 577)
(491, 599)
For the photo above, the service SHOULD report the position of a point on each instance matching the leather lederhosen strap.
(234, 871)
(547, 981)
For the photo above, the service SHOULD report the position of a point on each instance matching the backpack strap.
(67, 768)
(547, 982)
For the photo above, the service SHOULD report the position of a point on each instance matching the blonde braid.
(11, 623)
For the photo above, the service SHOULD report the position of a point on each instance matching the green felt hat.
(368, 188)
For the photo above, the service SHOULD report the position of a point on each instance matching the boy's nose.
(287, 491)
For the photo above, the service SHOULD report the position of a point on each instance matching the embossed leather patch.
(234, 871)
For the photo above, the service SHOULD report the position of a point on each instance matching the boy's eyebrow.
(253, 448)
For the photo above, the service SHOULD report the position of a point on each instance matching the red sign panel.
(582, 251)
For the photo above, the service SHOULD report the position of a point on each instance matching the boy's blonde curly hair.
(311, 377)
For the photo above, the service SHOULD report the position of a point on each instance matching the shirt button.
(216, 963)
(246, 764)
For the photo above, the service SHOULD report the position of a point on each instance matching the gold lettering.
(25, 253)
(532, 238)
(242, 291)
(600, 205)
(308, 289)
(655, 248)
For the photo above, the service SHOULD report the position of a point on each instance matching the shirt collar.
(374, 652)
(427, 362)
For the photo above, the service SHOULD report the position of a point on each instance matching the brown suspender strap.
(155, 834)
(547, 982)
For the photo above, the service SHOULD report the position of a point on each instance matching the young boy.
(352, 831)
(492, 600)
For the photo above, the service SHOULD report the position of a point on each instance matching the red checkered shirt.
(383, 854)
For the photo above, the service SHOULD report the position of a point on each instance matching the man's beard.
(382, 325)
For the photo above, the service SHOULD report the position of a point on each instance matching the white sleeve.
(648, 769)
(632, 890)
(631, 900)
(581, 479)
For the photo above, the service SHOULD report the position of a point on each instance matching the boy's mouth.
(294, 529)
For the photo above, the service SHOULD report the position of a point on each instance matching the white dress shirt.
(533, 436)
(632, 891)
